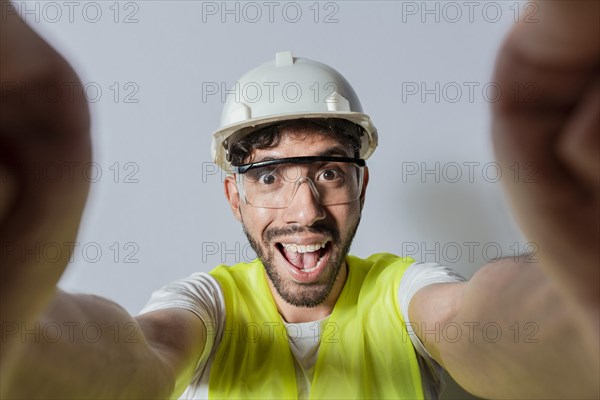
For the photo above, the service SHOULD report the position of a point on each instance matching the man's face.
(288, 241)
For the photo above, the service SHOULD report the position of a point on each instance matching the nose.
(304, 208)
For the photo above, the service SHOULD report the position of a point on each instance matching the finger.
(8, 190)
(566, 32)
(579, 143)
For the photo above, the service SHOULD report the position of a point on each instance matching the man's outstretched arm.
(507, 333)
(54, 344)
(87, 347)
(531, 329)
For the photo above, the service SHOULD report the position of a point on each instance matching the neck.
(293, 314)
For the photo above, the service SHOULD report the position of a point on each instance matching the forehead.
(305, 142)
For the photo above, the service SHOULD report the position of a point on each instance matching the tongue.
(302, 260)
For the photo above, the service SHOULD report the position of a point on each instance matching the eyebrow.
(266, 158)
(333, 151)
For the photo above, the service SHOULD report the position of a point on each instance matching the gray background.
(157, 211)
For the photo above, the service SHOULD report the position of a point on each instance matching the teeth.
(298, 248)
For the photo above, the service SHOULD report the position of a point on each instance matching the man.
(298, 187)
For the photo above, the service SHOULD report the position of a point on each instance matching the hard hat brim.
(235, 132)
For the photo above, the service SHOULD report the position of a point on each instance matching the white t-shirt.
(201, 294)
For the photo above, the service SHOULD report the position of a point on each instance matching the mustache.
(273, 233)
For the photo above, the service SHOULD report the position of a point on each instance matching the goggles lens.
(273, 184)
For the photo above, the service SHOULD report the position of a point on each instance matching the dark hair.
(347, 133)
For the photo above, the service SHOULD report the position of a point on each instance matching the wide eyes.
(264, 175)
(329, 175)
(268, 179)
(291, 173)
(273, 183)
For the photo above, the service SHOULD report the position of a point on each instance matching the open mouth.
(305, 261)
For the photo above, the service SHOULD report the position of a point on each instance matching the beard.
(307, 295)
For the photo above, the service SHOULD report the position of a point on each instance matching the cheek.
(345, 217)
(256, 220)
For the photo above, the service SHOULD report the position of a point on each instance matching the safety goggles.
(274, 183)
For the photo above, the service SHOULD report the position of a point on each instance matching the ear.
(364, 188)
(233, 196)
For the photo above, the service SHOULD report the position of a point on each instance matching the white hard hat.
(285, 89)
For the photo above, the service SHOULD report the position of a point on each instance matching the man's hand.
(35, 133)
(547, 127)
(550, 124)
(152, 356)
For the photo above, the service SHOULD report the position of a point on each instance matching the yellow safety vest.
(365, 351)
